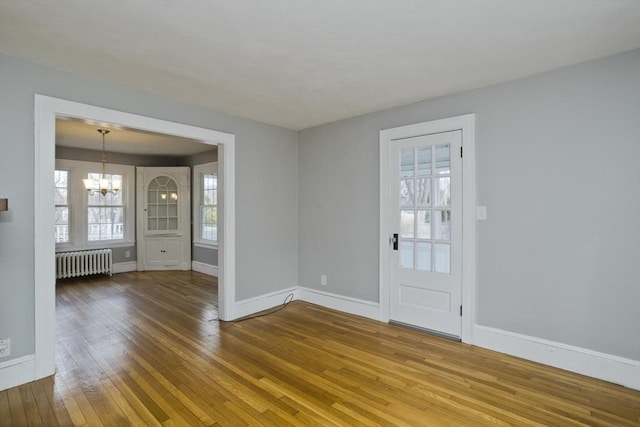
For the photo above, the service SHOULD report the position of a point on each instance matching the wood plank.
(143, 348)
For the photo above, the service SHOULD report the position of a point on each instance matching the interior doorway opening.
(47, 109)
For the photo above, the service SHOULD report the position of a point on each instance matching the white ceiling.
(81, 134)
(306, 62)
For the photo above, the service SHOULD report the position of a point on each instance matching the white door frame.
(465, 123)
(46, 110)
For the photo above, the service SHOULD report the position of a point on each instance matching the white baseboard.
(124, 267)
(349, 305)
(263, 302)
(17, 371)
(618, 370)
(201, 267)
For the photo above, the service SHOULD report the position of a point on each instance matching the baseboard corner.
(201, 267)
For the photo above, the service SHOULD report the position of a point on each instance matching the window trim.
(78, 199)
(198, 171)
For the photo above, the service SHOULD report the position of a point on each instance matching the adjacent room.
(320, 213)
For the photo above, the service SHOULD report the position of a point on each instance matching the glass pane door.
(162, 205)
(425, 208)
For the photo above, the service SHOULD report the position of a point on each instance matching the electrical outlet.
(127, 254)
(323, 279)
(5, 347)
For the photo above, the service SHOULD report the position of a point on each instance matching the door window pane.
(443, 191)
(406, 192)
(424, 160)
(424, 224)
(407, 221)
(406, 162)
(423, 191)
(423, 256)
(443, 162)
(442, 220)
(443, 258)
(406, 254)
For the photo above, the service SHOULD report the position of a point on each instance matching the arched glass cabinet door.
(162, 205)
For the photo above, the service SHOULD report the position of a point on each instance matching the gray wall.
(558, 166)
(70, 153)
(204, 255)
(266, 175)
(198, 159)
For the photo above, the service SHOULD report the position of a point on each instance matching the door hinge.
(460, 152)
(460, 310)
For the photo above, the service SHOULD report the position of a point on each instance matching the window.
(206, 204)
(61, 200)
(86, 221)
(105, 213)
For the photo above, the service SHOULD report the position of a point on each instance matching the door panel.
(163, 251)
(426, 213)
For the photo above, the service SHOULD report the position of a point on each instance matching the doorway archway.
(46, 111)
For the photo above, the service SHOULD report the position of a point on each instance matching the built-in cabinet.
(163, 218)
(163, 251)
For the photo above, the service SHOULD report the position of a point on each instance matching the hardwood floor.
(145, 349)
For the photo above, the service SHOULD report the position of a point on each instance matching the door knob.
(394, 240)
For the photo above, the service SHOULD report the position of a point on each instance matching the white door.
(164, 218)
(425, 218)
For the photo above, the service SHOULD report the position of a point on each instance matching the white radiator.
(83, 263)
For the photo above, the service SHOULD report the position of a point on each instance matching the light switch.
(481, 213)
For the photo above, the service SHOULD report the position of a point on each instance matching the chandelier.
(104, 185)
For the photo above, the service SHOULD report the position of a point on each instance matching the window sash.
(105, 223)
(105, 228)
(62, 209)
(105, 213)
(209, 207)
(205, 204)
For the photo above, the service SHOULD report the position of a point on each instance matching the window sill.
(205, 245)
